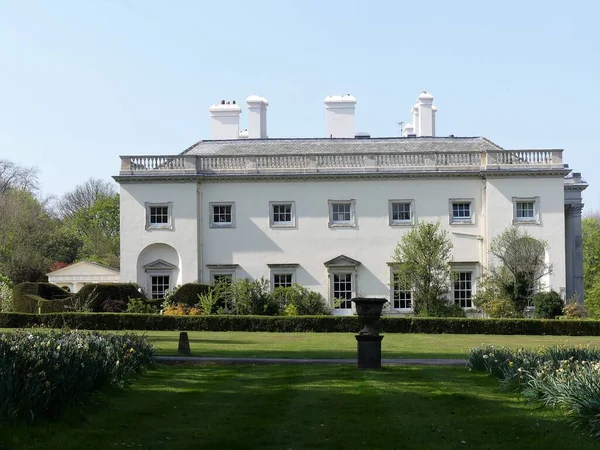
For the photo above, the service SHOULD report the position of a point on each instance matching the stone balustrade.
(341, 163)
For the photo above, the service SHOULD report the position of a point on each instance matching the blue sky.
(84, 81)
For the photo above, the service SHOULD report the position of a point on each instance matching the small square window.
(222, 215)
(342, 213)
(283, 280)
(526, 210)
(282, 214)
(461, 211)
(401, 212)
(159, 216)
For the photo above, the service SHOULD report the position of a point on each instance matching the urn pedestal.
(368, 339)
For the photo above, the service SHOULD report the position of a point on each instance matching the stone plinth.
(184, 344)
(369, 351)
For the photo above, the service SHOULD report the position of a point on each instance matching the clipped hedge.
(96, 295)
(284, 324)
(189, 292)
(33, 297)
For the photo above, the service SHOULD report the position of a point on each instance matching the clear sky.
(84, 81)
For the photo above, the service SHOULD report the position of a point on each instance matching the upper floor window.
(159, 216)
(282, 214)
(401, 212)
(461, 211)
(342, 213)
(526, 210)
(222, 215)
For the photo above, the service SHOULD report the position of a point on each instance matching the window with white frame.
(342, 290)
(282, 214)
(222, 215)
(401, 212)
(461, 211)
(342, 213)
(159, 285)
(526, 210)
(463, 289)
(283, 280)
(159, 216)
(401, 294)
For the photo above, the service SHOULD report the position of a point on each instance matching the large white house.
(327, 213)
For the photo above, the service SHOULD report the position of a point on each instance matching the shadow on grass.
(317, 407)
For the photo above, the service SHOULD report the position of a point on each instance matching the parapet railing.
(344, 162)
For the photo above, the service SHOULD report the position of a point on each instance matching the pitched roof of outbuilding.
(247, 147)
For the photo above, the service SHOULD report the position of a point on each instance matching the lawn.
(304, 407)
(343, 345)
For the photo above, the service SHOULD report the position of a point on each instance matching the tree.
(422, 262)
(521, 266)
(84, 196)
(13, 176)
(591, 248)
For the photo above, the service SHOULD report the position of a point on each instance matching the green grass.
(343, 345)
(304, 407)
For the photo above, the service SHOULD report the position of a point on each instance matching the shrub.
(44, 373)
(93, 296)
(574, 310)
(6, 298)
(31, 297)
(500, 308)
(116, 306)
(139, 306)
(188, 293)
(592, 300)
(297, 300)
(181, 309)
(548, 305)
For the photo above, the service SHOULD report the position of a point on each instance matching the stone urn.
(368, 340)
(369, 313)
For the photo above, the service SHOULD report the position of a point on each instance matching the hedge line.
(108, 321)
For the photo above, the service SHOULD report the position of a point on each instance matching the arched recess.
(158, 269)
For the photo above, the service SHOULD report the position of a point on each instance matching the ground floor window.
(282, 280)
(222, 278)
(159, 285)
(342, 290)
(401, 295)
(463, 289)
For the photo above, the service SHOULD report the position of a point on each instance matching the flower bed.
(41, 374)
(562, 377)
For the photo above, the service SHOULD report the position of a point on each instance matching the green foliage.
(592, 299)
(591, 250)
(187, 293)
(561, 377)
(422, 261)
(94, 296)
(207, 303)
(39, 297)
(300, 301)
(522, 266)
(6, 298)
(574, 309)
(548, 305)
(141, 306)
(44, 373)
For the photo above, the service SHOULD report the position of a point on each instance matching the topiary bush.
(94, 296)
(548, 305)
(188, 293)
(39, 297)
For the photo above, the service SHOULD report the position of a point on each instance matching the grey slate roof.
(239, 147)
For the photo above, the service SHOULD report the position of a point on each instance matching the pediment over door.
(159, 265)
(342, 261)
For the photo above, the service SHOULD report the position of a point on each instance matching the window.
(222, 215)
(342, 290)
(401, 212)
(463, 289)
(158, 216)
(526, 210)
(461, 211)
(159, 285)
(401, 295)
(222, 278)
(282, 214)
(282, 280)
(342, 213)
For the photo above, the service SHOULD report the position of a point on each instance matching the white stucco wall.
(550, 190)
(183, 237)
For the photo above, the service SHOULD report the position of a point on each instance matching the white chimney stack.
(339, 116)
(423, 117)
(257, 117)
(225, 120)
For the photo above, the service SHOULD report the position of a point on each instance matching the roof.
(295, 146)
(86, 267)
